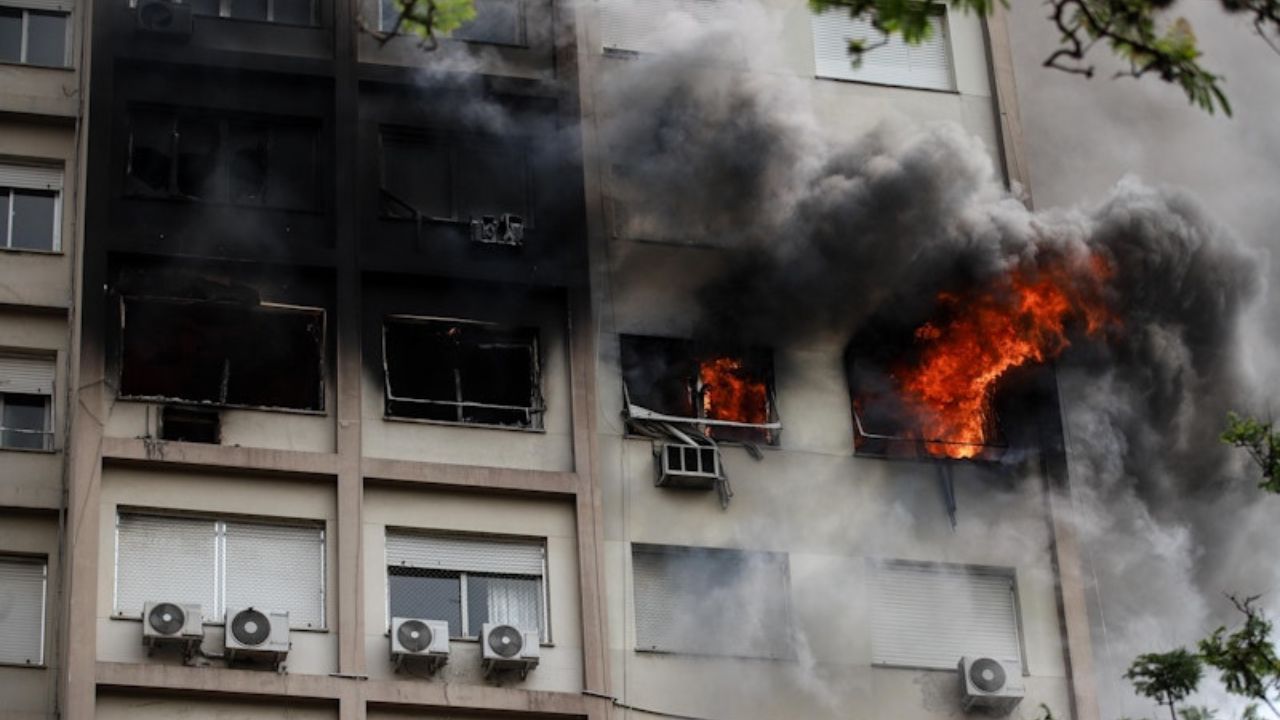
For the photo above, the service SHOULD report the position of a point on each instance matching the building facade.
(309, 330)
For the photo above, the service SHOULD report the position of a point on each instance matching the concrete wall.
(121, 706)
(29, 691)
(33, 478)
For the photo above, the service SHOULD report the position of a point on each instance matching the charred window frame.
(453, 178)
(663, 381)
(219, 159)
(497, 22)
(281, 12)
(462, 372)
(264, 356)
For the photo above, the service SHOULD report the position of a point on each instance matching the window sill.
(479, 426)
(32, 251)
(35, 451)
(138, 619)
(29, 666)
(717, 656)
(10, 63)
(872, 83)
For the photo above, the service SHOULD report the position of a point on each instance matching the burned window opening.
(224, 354)
(184, 424)
(214, 159)
(462, 371)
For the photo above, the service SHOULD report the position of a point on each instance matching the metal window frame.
(43, 562)
(47, 433)
(55, 239)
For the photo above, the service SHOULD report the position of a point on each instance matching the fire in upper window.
(727, 395)
(462, 371)
(224, 353)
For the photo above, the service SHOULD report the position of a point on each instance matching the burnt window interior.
(188, 424)
(222, 160)
(452, 179)
(222, 353)
(462, 371)
(679, 379)
(285, 12)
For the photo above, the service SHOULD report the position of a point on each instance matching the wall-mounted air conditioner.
(506, 647)
(682, 465)
(257, 635)
(989, 684)
(506, 229)
(421, 642)
(164, 17)
(170, 624)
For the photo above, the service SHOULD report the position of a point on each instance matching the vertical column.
(1004, 94)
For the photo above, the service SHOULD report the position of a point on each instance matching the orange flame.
(1023, 320)
(730, 392)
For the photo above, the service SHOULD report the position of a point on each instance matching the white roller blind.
(480, 555)
(46, 5)
(166, 559)
(29, 177)
(930, 616)
(927, 65)
(32, 376)
(639, 25)
(276, 567)
(22, 597)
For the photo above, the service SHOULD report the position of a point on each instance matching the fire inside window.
(727, 396)
(222, 353)
(462, 371)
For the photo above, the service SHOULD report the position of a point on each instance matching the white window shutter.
(45, 5)
(22, 599)
(641, 25)
(930, 616)
(29, 177)
(276, 567)
(478, 555)
(165, 559)
(927, 65)
(26, 375)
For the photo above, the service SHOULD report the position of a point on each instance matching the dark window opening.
(213, 159)
(453, 179)
(223, 353)
(681, 382)
(24, 421)
(190, 425)
(462, 371)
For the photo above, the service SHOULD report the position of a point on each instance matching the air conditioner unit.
(990, 684)
(505, 229)
(172, 624)
(164, 17)
(424, 642)
(254, 634)
(688, 466)
(506, 647)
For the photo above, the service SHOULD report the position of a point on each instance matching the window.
(34, 32)
(729, 395)
(930, 616)
(30, 208)
(462, 371)
(248, 162)
(497, 22)
(26, 403)
(453, 178)
(467, 581)
(220, 564)
(285, 12)
(631, 26)
(704, 601)
(23, 586)
(188, 424)
(927, 65)
(225, 353)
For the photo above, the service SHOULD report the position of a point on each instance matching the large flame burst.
(730, 392)
(1022, 319)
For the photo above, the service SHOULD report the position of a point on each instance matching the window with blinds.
(22, 599)
(704, 601)
(927, 65)
(220, 564)
(467, 581)
(26, 402)
(30, 203)
(632, 26)
(930, 616)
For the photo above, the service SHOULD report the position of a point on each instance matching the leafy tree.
(1245, 659)
(426, 19)
(1168, 678)
(1263, 444)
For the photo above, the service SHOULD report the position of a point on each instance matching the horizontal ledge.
(542, 482)
(130, 451)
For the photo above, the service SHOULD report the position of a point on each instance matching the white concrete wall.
(560, 666)
(120, 638)
(28, 691)
(270, 429)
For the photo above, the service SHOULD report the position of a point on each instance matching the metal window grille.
(23, 588)
(467, 581)
(927, 65)
(704, 601)
(220, 565)
(930, 616)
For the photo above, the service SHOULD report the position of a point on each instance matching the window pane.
(165, 559)
(247, 157)
(4, 217)
(249, 9)
(293, 12)
(276, 567)
(150, 152)
(496, 21)
(10, 35)
(25, 420)
(417, 173)
(422, 359)
(291, 174)
(47, 39)
(390, 11)
(33, 218)
(198, 159)
(206, 7)
(506, 600)
(22, 593)
(426, 594)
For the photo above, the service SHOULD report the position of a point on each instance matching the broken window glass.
(729, 395)
(462, 371)
(223, 353)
